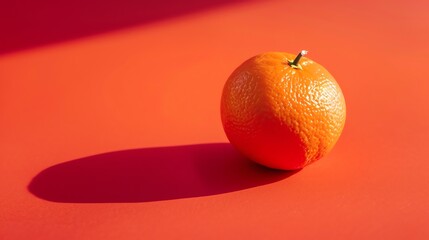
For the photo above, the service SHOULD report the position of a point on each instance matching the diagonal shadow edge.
(29, 24)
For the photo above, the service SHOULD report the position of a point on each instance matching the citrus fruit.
(282, 110)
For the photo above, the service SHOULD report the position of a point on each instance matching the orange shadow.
(152, 174)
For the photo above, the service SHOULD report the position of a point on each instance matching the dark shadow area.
(152, 174)
(28, 23)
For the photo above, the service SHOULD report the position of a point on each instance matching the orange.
(282, 111)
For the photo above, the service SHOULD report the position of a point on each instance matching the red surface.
(113, 131)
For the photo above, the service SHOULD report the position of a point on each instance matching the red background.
(110, 126)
